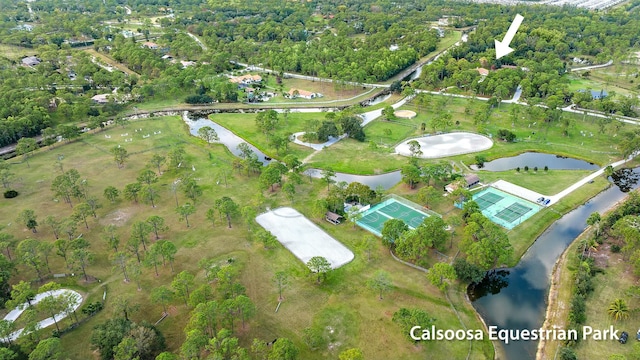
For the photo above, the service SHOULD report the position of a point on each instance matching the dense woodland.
(350, 43)
(361, 42)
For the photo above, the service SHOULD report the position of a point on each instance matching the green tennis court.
(504, 209)
(487, 200)
(374, 218)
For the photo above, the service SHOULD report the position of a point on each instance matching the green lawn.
(343, 302)
(532, 135)
(546, 183)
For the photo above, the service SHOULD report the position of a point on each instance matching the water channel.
(540, 160)
(515, 298)
(231, 141)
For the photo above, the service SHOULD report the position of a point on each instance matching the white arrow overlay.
(502, 48)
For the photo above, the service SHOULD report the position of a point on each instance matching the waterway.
(540, 160)
(231, 141)
(515, 298)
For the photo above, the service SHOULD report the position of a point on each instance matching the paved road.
(202, 45)
(608, 63)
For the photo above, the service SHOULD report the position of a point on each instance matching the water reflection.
(625, 179)
(516, 297)
(540, 160)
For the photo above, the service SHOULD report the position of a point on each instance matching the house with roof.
(150, 45)
(100, 99)
(246, 79)
(299, 93)
(332, 217)
(186, 64)
(30, 61)
(482, 71)
(469, 180)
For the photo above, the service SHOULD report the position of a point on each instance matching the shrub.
(480, 160)
(568, 354)
(526, 168)
(92, 308)
(198, 99)
(546, 168)
(615, 248)
(518, 169)
(506, 135)
(535, 168)
(10, 194)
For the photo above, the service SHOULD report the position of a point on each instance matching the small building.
(482, 71)
(30, 61)
(298, 93)
(100, 99)
(167, 57)
(150, 45)
(186, 64)
(332, 217)
(247, 79)
(470, 180)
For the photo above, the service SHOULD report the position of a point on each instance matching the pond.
(533, 159)
(515, 298)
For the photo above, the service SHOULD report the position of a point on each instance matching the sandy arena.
(455, 143)
(304, 238)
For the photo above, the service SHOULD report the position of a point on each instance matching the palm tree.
(618, 310)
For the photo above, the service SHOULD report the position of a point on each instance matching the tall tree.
(6, 175)
(47, 349)
(227, 207)
(169, 251)
(283, 349)
(380, 282)
(392, 230)
(81, 258)
(182, 283)
(132, 191)
(24, 147)
(147, 177)
(120, 155)
(121, 261)
(440, 273)
(29, 219)
(319, 265)
(81, 212)
(157, 161)
(140, 230)
(21, 293)
(162, 295)
(208, 134)
(176, 157)
(157, 224)
(185, 210)
(52, 304)
(63, 246)
(28, 251)
(149, 194)
(328, 176)
(281, 278)
(110, 235)
(7, 242)
(152, 258)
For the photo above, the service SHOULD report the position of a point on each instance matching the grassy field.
(105, 59)
(244, 125)
(547, 183)
(532, 135)
(598, 82)
(343, 302)
(13, 52)
(621, 76)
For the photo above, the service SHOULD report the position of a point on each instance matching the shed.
(472, 179)
(332, 217)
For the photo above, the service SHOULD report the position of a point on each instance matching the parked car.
(638, 335)
(623, 337)
(540, 200)
(547, 202)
